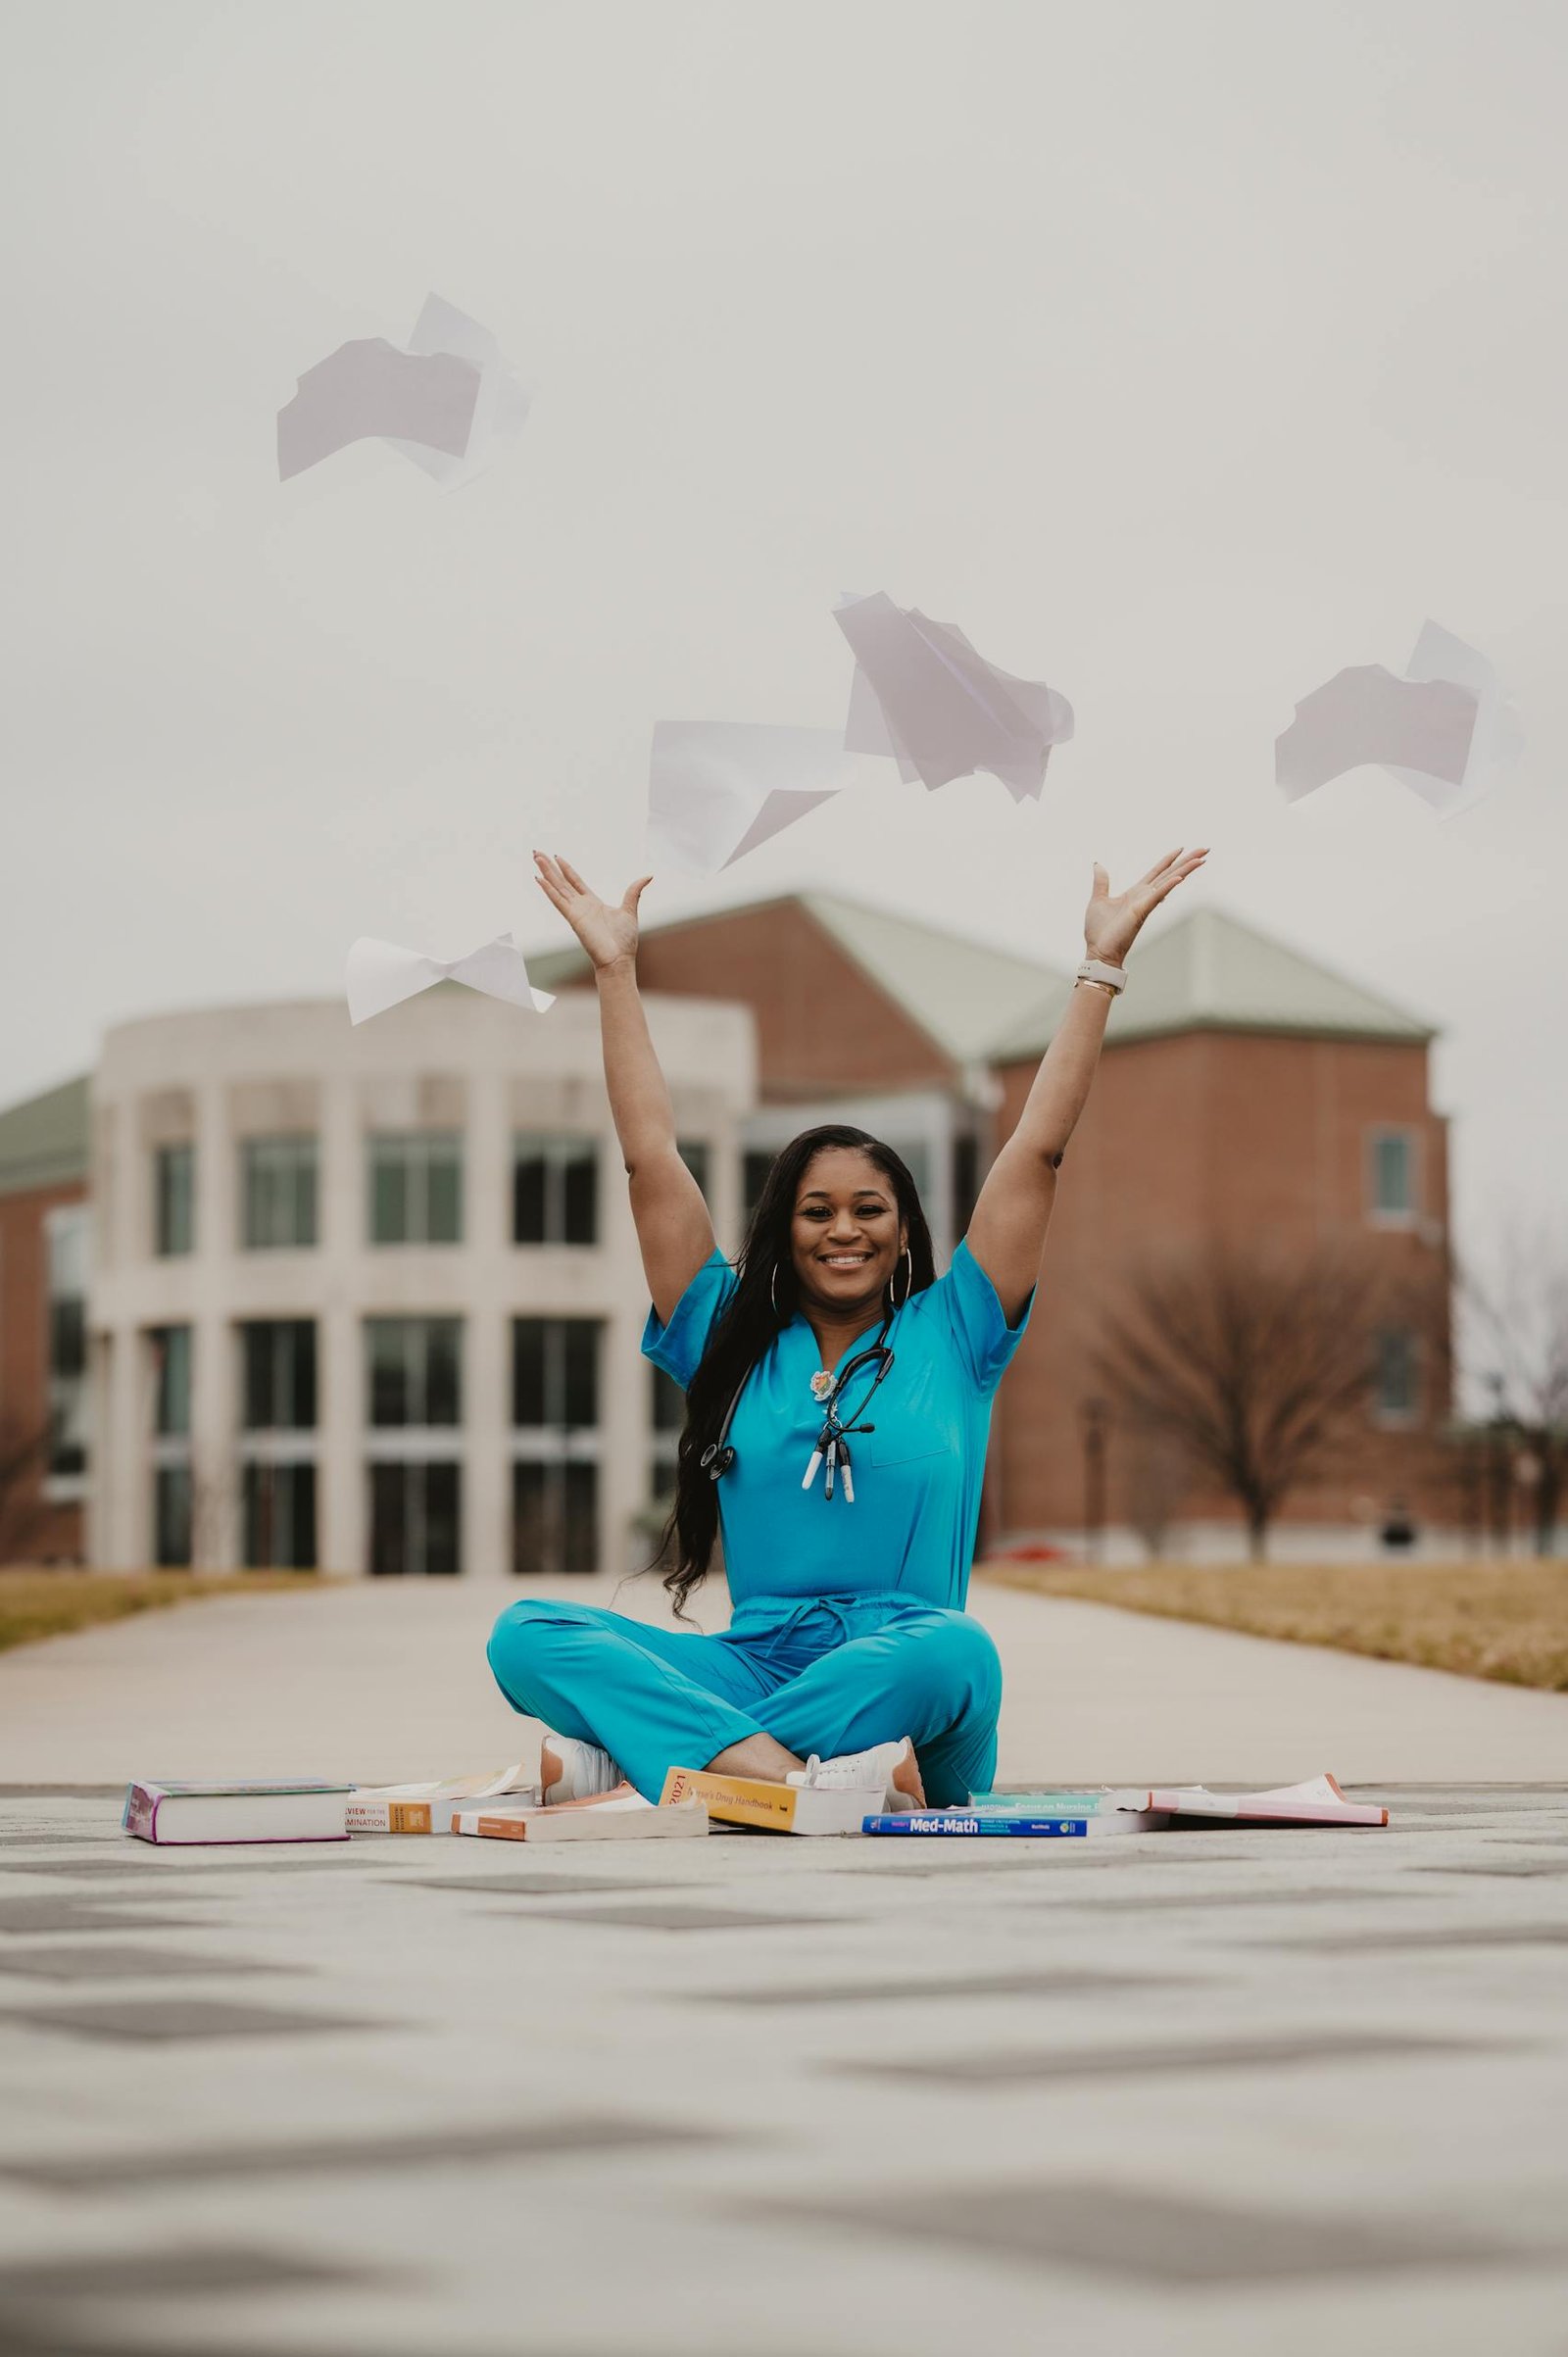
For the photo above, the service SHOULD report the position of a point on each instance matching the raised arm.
(673, 1228)
(1008, 1233)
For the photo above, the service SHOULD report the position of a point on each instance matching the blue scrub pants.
(829, 1675)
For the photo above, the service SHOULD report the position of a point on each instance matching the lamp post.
(1096, 1415)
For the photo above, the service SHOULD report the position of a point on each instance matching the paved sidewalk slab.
(1183, 2095)
(387, 1679)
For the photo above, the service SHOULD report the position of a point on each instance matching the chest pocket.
(902, 1445)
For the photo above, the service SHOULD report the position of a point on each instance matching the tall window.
(278, 1389)
(67, 1244)
(694, 1153)
(555, 1518)
(170, 1346)
(415, 1186)
(755, 1164)
(1390, 1156)
(1397, 1376)
(414, 1371)
(169, 1350)
(277, 1515)
(554, 1418)
(965, 1180)
(555, 1190)
(555, 1373)
(277, 1471)
(278, 1184)
(668, 1416)
(174, 1201)
(415, 1387)
(172, 1516)
(416, 1520)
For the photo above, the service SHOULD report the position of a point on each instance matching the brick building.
(1246, 1092)
(43, 1243)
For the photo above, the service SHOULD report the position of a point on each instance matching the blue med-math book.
(969, 1821)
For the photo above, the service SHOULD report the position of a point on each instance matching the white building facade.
(370, 1299)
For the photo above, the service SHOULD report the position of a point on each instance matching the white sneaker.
(888, 1769)
(573, 1771)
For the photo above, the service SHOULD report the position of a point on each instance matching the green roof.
(43, 1141)
(963, 992)
(960, 992)
(1209, 973)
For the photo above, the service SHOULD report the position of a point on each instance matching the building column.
(214, 1451)
(486, 1356)
(342, 1534)
(121, 1486)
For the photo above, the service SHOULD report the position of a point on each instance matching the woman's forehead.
(843, 1171)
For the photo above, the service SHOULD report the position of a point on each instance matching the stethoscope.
(832, 1448)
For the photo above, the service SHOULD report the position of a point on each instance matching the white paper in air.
(919, 695)
(923, 695)
(448, 403)
(367, 389)
(379, 974)
(1444, 730)
(718, 788)
(500, 409)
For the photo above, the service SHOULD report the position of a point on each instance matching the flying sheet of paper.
(1366, 715)
(1443, 730)
(503, 402)
(1498, 741)
(921, 694)
(378, 975)
(716, 789)
(367, 389)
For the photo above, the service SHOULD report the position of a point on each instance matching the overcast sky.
(1180, 351)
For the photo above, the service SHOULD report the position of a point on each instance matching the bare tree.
(1516, 1323)
(1253, 1364)
(23, 1454)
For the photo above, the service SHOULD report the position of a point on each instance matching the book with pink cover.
(1320, 1801)
(171, 1814)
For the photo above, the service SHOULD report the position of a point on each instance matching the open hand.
(1114, 920)
(608, 934)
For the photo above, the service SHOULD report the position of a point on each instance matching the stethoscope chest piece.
(832, 1448)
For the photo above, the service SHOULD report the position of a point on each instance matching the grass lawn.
(50, 1603)
(1507, 1621)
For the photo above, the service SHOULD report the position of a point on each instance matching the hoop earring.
(908, 1281)
(772, 1293)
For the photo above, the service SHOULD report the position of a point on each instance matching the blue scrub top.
(917, 1477)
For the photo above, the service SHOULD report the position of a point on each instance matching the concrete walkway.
(383, 1680)
(1182, 2095)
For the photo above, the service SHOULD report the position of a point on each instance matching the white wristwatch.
(1109, 977)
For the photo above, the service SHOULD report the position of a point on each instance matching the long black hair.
(763, 1303)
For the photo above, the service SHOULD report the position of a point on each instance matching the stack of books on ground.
(1043, 1814)
(428, 1808)
(174, 1815)
(750, 1803)
(620, 1815)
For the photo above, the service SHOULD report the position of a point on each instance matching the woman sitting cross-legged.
(838, 1398)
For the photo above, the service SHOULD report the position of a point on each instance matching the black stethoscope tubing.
(719, 1455)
